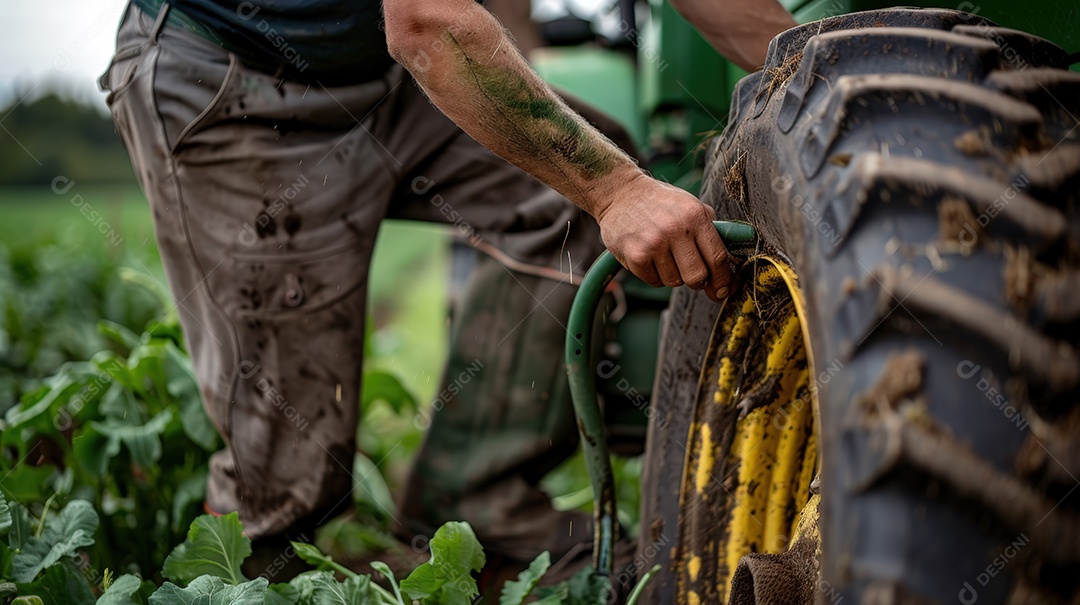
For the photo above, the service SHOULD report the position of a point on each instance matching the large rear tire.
(921, 169)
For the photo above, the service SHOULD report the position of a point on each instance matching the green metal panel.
(1055, 20)
(678, 67)
(605, 79)
(685, 92)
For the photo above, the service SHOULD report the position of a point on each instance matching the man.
(271, 139)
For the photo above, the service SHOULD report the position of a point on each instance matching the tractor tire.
(921, 171)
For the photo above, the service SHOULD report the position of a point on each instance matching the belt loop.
(159, 24)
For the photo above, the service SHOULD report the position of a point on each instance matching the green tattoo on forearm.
(542, 124)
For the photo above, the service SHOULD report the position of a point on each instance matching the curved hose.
(583, 392)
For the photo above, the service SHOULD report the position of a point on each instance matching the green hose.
(583, 392)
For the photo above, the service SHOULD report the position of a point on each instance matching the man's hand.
(666, 237)
(470, 69)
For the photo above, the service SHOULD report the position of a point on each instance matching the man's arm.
(738, 29)
(462, 58)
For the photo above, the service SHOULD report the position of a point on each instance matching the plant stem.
(44, 515)
(338, 567)
(636, 594)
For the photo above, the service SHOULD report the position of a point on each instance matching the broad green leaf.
(27, 483)
(384, 386)
(370, 490)
(31, 600)
(586, 587)
(210, 590)
(167, 329)
(310, 554)
(5, 517)
(514, 593)
(355, 538)
(118, 403)
(118, 333)
(145, 364)
(281, 594)
(20, 526)
(60, 585)
(41, 416)
(133, 276)
(121, 590)
(356, 590)
(215, 546)
(447, 577)
(304, 585)
(5, 567)
(71, 529)
(184, 390)
(93, 451)
(555, 598)
(142, 441)
(116, 368)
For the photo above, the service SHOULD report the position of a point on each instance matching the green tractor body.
(674, 96)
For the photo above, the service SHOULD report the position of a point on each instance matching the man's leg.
(266, 198)
(503, 417)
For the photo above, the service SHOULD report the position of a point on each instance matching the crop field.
(105, 444)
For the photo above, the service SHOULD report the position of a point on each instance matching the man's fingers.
(715, 256)
(668, 269)
(641, 265)
(692, 268)
(720, 282)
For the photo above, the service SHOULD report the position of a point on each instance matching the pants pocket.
(189, 82)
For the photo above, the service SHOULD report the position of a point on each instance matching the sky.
(68, 43)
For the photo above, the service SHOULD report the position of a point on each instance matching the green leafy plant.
(214, 546)
(42, 562)
(125, 432)
(37, 561)
(208, 562)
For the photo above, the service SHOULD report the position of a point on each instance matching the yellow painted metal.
(753, 445)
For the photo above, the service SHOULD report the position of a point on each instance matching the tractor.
(887, 408)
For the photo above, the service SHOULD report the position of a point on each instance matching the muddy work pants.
(266, 198)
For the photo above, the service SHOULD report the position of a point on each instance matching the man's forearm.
(470, 69)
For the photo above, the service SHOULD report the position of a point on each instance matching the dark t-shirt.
(330, 42)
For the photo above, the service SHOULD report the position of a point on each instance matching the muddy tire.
(921, 170)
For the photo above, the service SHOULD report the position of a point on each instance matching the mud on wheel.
(921, 170)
